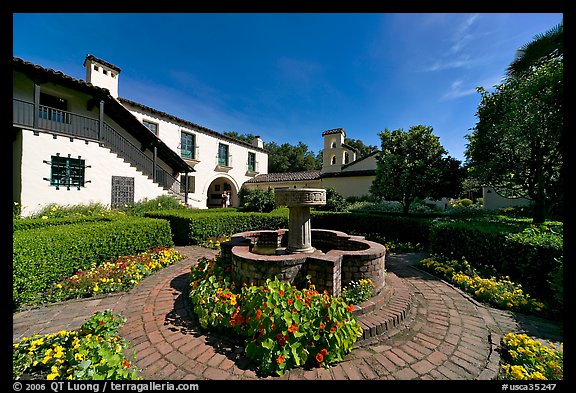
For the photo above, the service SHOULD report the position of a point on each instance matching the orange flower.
(322, 325)
(281, 292)
(258, 314)
(126, 363)
(293, 328)
(350, 308)
(280, 359)
(290, 301)
(332, 330)
(319, 357)
(324, 352)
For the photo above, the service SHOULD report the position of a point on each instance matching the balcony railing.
(189, 154)
(224, 160)
(75, 125)
(252, 167)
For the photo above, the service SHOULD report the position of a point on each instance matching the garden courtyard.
(425, 325)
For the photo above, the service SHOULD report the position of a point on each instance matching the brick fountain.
(333, 259)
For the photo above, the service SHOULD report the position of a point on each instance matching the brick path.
(423, 328)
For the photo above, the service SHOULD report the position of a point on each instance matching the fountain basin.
(336, 260)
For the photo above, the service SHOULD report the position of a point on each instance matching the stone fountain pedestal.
(299, 201)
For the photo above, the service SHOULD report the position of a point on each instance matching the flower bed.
(281, 327)
(113, 275)
(93, 352)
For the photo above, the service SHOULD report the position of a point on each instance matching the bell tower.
(333, 152)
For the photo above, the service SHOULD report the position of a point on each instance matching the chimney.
(102, 74)
(258, 142)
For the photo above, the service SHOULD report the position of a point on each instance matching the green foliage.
(409, 165)
(288, 158)
(162, 202)
(16, 210)
(32, 223)
(499, 292)
(55, 210)
(113, 275)
(257, 200)
(517, 141)
(58, 251)
(388, 228)
(335, 202)
(357, 292)
(461, 203)
(94, 352)
(193, 227)
(524, 358)
(513, 248)
(282, 327)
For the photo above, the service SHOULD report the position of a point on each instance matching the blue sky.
(289, 77)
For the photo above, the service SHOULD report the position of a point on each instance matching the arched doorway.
(219, 186)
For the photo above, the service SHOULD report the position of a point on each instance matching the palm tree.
(542, 46)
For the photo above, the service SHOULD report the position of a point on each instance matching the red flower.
(126, 363)
(280, 359)
(324, 352)
(101, 323)
(281, 292)
(322, 325)
(258, 314)
(290, 301)
(319, 357)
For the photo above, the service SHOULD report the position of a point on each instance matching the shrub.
(32, 223)
(357, 292)
(335, 202)
(93, 352)
(257, 200)
(54, 210)
(162, 202)
(192, 227)
(461, 203)
(282, 327)
(59, 251)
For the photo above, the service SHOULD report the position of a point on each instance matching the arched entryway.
(219, 186)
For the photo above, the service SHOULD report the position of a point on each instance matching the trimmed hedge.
(393, 228)
(44, 255)
(525, 258)
(192, 227)
(32, 223)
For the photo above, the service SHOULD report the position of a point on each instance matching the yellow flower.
(518, 372)
(537, 375)
(79, 356)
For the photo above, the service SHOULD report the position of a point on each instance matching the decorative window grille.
(67, 172)
(122, 192)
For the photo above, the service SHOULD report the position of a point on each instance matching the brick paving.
(418, 328)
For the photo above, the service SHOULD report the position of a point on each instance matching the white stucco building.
(77, 142)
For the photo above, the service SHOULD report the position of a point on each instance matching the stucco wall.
(493, 201)
(206, 175)
(36, 192)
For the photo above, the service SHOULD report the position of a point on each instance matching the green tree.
(516, 143)
(360, 147)
(543, 45)
(243, 137)
(409, 165)
(289, 158)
